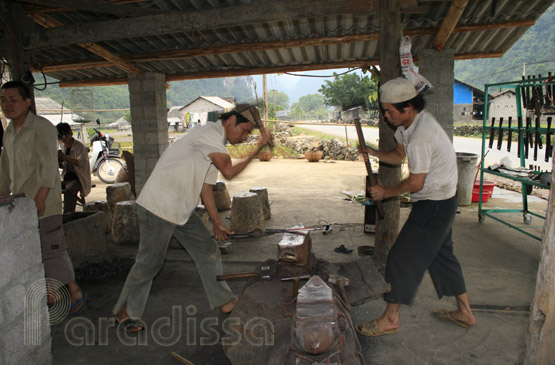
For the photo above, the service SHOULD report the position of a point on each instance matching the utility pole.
(265, 100)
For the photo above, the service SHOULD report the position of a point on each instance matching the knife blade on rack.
(491, 132)
(519, 137)
(509, 135)
(526, 137)
(548, 146)
(500, 134)
(536, 137)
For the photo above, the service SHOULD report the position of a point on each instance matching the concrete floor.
(499, 264)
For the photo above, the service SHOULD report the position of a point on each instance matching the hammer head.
(338, 279)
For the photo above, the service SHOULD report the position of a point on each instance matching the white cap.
(397, 91)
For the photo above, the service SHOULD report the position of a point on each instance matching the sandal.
(343, 249)
(130, 325)
(371, 329)
(75, 307)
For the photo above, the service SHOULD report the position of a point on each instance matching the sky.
(296, 86)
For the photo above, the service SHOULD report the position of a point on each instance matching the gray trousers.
(425, 243)
(155, 238)
(57, 264)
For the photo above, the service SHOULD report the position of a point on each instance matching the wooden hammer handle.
(238, 276)
(373, 180)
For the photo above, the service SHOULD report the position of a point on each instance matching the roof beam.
(99, 7)
(257, 11)
(34, 9)
(48, 22)
(259, 46)
(451, 19)
(258, 71)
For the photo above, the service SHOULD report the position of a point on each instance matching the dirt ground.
(499, 265)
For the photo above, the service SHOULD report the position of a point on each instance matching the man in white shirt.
(186, 171)
(424, 242)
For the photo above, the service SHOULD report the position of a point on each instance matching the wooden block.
(262, 193)
(246, 214)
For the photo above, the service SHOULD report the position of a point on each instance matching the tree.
(348, 90)
(310, 106)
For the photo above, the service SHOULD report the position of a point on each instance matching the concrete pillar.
(147, 93)
(24, 320)
(438, 68)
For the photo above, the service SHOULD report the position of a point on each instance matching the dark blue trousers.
(425, 243)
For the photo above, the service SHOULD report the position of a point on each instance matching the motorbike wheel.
(108, 170)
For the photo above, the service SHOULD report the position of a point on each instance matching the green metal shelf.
(493, 213)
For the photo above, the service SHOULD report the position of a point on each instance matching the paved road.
(462, 144)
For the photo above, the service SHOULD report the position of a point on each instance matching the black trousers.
(425, 243)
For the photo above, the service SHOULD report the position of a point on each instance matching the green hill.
(179, 93)
(536, 48)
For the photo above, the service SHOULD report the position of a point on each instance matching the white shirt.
(173, 189)
(430, 151)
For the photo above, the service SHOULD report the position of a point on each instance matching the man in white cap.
(184, 173)
(424, 242)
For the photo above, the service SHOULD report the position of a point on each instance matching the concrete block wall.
(439, 68)
(147, 93)
(23, 312)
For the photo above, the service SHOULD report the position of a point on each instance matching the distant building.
(502, 104)
(468, 103)
(121, 125)
(54, 112)
(204, 109)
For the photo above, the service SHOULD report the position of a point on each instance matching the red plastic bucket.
(476, 195)
(487, 190)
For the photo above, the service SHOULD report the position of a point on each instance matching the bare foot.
(228, 307)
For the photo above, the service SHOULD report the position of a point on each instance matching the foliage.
(349, 90)
(310, 106)
(277, 100)
(536, 48)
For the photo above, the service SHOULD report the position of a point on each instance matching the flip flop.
(371, 329)
(132, 326)
(343, 249)
(74, 308)
(445, 316)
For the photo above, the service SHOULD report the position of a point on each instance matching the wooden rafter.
(47, 22)
(198, 20)
(94, 6)
(260, 46)
(34, 9)
(258, 71)
(451, 19)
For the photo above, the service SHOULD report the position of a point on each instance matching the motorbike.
(104, 157)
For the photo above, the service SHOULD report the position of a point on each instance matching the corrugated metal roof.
(302, 41)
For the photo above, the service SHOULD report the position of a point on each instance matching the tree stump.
(125, 225)
(118, 193)
(221, 196)
(262, 193)
(246, 214)
(101, 206)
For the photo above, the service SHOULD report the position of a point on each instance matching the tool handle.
(237, 276)
(538, 134)
(372, 178)
(500, 134)
(491, 133)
